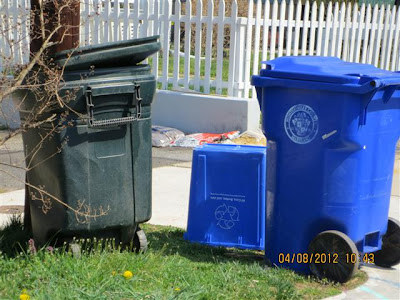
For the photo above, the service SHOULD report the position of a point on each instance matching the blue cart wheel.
(333, 255)
(389, 255)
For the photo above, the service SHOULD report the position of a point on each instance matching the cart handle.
(389, 87)
(113, 89)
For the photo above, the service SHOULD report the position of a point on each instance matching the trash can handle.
(104, 90)
(388, 85)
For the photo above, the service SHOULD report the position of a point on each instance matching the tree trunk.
(67, 37)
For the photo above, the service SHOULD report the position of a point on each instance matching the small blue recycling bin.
(227, 196)
(332, 128)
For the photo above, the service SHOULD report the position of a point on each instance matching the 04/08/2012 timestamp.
(324, 258)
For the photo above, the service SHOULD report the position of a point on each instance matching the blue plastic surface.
(323, 69)
(227, 196)
(330, 154)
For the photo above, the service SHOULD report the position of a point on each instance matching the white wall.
(188, 112)
(194, 113)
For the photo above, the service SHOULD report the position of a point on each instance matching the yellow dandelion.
(24, 296)
(128, 274)
(177, 289)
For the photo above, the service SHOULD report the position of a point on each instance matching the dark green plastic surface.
(113, 54)
(106, 167)
(75, 84)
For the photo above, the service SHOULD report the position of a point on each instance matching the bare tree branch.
(38, 84)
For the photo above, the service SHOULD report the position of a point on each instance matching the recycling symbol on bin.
(226, 216)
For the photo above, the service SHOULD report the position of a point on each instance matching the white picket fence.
(14, 24)
(217, 52)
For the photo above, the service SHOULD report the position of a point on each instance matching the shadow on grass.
(13, 237)
(170, 241)
(166, 240)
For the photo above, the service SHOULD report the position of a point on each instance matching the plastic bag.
(193, 140)
(163, 136)
(251, 137)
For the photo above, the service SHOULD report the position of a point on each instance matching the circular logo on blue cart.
(301, 124)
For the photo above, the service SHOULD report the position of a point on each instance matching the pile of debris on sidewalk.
(172, 137)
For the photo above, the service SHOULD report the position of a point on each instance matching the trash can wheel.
(134, 239)
(333, 255)
(389, 255)
(140, 241)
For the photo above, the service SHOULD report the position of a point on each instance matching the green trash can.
(96, 159)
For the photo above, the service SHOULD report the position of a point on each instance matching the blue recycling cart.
(332, 128)
(227, 196)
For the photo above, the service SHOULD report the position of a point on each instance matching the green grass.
(172, 269)
(213, 71)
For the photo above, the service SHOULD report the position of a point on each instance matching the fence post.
(135, 18)
(377, 46)
(266, 23)
(359, 33)
(177, 40)
(256, 54)
(297, 28)
(144, 19)
(289, 28)
(282, 17)
(341, 28)
(188, 33)
(197, 62)
(389, 43)
(313, 28)
(238, 84)
(333, 47)
(273, 29)
(167, 9)
(347, 32)
(208, 52)
(232, 50)
(367, 25)
(156, 31)
(107, 21)
(220, 46)
(321, 28)
(247, 65)
(396, 46)
(304, 36)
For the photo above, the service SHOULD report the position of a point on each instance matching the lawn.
(213, 71)
(171, 269)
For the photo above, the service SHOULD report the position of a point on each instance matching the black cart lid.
(107, 55)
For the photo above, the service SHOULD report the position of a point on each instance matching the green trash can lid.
(113, 54)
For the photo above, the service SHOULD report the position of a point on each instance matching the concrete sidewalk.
(170, 197)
